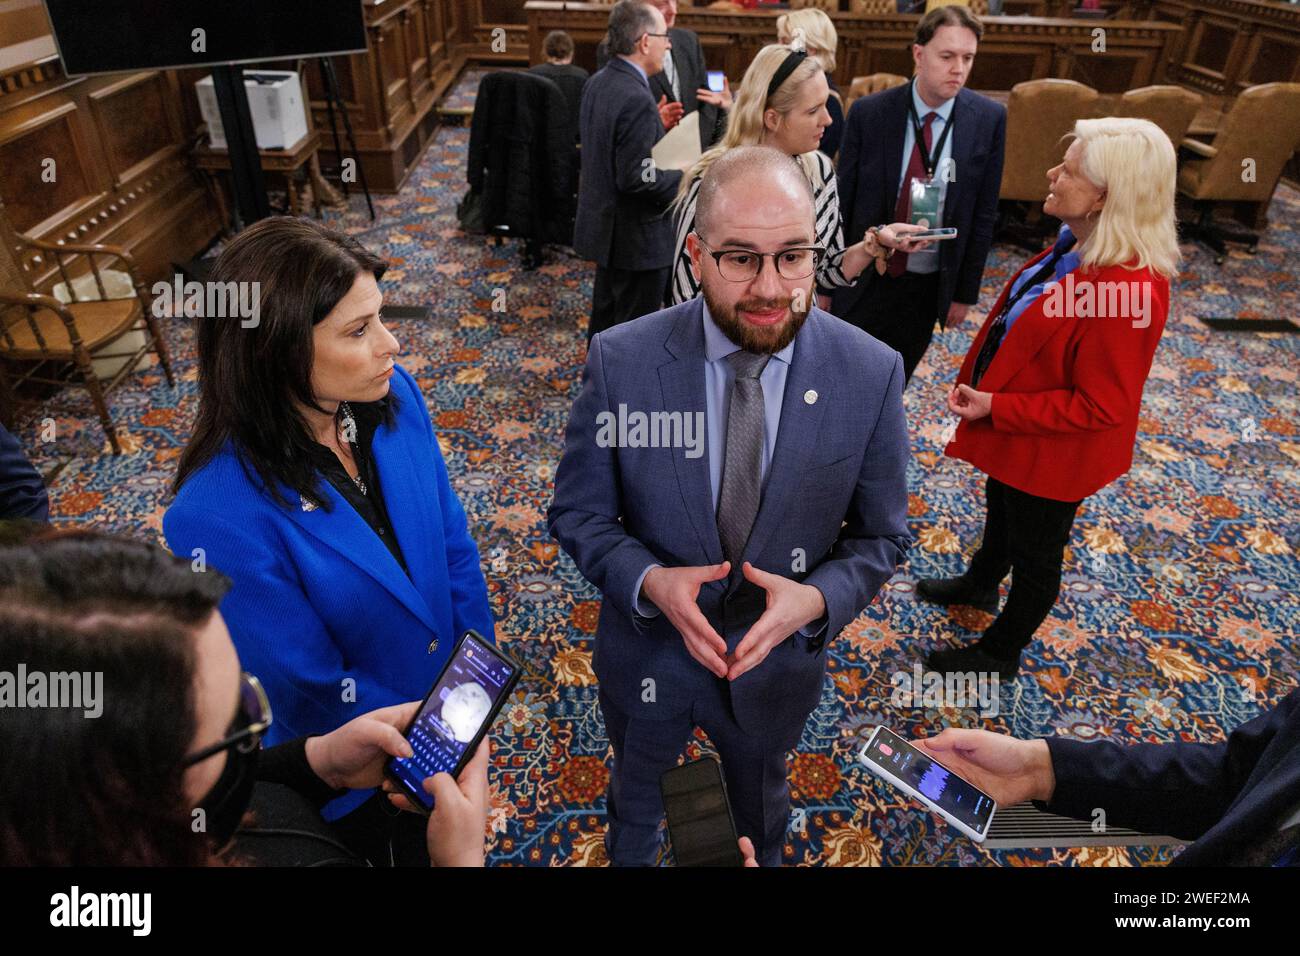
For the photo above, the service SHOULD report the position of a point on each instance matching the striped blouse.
(830, 235)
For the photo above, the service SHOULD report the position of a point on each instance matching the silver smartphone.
(958, 801)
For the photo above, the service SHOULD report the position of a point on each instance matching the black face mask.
(225, 804)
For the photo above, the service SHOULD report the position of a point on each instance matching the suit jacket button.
(433, 645)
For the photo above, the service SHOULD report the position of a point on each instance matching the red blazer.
(1066, 390)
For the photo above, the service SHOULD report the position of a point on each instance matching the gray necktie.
(742, 470)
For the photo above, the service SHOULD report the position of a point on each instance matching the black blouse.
(370, 504)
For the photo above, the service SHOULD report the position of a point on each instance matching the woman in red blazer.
(1050, 390)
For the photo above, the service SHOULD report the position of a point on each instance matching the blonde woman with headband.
(782, 103)
(815, 30)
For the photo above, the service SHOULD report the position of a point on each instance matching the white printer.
(275, 101)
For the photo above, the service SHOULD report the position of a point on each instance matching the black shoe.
(957, 591)
(971, 658)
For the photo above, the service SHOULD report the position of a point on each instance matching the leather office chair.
(1259, 134)
(874, 6)
(866, 85)
(1039, 113)
(1172, 108)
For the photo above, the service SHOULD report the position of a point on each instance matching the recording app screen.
(946, 789)
(453, 714)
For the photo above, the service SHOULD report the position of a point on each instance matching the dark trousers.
(901, 312)
(621, 295)
(385, 835)
(1026, 535)
(644, 749)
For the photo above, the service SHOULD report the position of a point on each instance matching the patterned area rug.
(1180, 608)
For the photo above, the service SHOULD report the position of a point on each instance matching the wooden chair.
(1259, 133)
(38, 330)
(866, 85)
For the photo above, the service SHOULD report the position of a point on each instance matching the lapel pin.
(306, 505)
(810, 397)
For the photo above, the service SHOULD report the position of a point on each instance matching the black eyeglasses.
(251, 721)
(662, 36)
(744, 265)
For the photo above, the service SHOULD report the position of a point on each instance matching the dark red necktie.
(902, 210)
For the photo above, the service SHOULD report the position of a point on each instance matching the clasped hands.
(790, 606)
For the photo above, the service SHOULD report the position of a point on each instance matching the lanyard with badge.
(925, 193)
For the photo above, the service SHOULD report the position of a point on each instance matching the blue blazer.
(622, 220)
(1225, 797)
(871, 161)
(836, 489)
(320, 610)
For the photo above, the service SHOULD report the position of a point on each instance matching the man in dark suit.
(682, 86)
(558, 47)
(732, 546)
(622, 223)
(961, 146)
(1239, 801)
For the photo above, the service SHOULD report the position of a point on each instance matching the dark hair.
(628, 22)
(251, 380)
(558, 45)
(102, 791)
(949, 16)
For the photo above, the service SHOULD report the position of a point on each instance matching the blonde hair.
(1134, 162)
(820, 38)
(745, 125)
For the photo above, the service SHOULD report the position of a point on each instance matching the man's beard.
(760, 339)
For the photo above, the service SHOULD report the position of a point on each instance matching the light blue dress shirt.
(1066, 264)
(718, 378)
(928, 259)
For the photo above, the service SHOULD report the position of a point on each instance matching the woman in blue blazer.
(314, 481)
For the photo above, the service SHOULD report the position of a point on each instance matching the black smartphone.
(701, 830)
(455, 716)
(715, 80)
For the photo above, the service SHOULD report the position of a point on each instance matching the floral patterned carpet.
(1180, 608)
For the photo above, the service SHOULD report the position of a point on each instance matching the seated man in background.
(1239, 800)
(558, 47)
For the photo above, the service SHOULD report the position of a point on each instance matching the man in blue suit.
(622, 223)
(22, 492)
(1239, 801)
(760, 511)
(959, 151)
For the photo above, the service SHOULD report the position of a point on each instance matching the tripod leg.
(352, 142)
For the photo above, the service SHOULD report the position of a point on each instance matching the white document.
(680, 147)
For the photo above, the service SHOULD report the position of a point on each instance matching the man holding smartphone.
(730, 557)
(930, 151)
(1239, 800)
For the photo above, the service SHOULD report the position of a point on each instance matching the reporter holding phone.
(164, 763)
(1050, 391)
(314, 480)
(782, 104)
(1237, 801)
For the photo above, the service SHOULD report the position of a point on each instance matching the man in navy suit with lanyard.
(930, 151)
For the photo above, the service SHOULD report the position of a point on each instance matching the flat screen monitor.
(114, 36)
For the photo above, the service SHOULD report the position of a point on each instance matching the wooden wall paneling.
(34, 133)
(137, 124)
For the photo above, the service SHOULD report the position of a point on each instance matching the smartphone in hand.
(455, 716)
